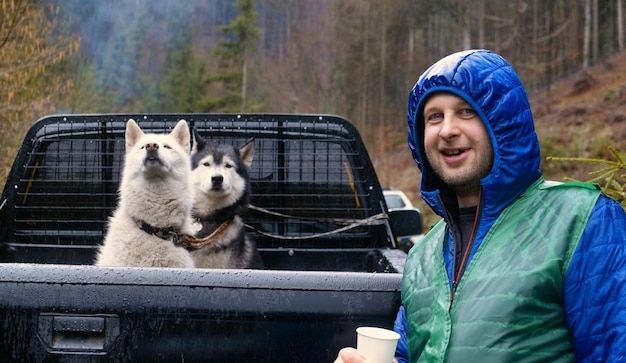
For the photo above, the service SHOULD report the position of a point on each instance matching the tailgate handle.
(79, 333)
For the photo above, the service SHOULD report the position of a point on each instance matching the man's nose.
(449, 126)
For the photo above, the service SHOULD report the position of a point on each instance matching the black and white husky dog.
(221, 185)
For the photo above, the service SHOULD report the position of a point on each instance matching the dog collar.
(195, 243)
(163, 233)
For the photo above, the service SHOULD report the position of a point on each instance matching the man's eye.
(433, 117)
(468, 112)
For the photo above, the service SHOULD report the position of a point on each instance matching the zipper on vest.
(452, 292)
(459, 273)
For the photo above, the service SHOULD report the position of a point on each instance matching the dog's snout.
(217, 179)
(152, 146)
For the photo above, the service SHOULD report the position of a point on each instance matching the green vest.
(508, 306)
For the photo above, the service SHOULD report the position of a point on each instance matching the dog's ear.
(181, 134)
(198, 142)
(133, 133)
(246, 152)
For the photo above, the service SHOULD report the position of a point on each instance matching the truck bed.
(319, 220)
(310, 176)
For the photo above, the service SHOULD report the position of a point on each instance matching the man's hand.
(350, 355)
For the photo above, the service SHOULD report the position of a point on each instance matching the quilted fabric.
(595, 287)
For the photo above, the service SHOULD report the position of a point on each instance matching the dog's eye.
(228, 166)
(206, 164)
(142, 147)
(167, 146)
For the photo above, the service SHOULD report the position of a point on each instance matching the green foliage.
(106, 70)
(611, 177)
(87, 96)
(184, 81)
(184, 84)
(118, 71)
(234, 50)
(239, 37)
(148, 58)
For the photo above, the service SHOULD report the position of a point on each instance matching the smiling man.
(519, 269)
(457, 145)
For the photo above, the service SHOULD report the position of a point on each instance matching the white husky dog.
(154, 203)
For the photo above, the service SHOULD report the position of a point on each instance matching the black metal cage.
(313, 185)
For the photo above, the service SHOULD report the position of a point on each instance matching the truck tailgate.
(129, 314)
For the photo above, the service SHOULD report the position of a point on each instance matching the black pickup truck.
(319, 220)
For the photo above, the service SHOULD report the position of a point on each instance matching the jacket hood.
(490, 85)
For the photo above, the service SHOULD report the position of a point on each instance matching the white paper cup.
(376, 344)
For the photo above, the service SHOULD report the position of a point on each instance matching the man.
(519, 269)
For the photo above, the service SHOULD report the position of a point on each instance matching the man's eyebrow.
(462, 103)
(430, 109)
(459, 103)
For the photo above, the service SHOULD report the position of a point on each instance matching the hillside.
(581, 117)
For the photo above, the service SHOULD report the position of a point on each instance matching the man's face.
(457, 144)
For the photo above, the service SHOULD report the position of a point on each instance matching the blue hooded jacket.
(594, 294)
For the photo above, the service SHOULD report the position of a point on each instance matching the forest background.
(354, 58)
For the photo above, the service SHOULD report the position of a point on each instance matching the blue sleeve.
(400, 327)
(594, 292)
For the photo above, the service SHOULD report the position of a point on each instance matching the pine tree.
(234, 52)
(184, 86)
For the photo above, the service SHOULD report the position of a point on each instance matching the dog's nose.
(152, 146)
(217, 179)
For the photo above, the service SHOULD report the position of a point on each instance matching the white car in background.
(397, 200)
